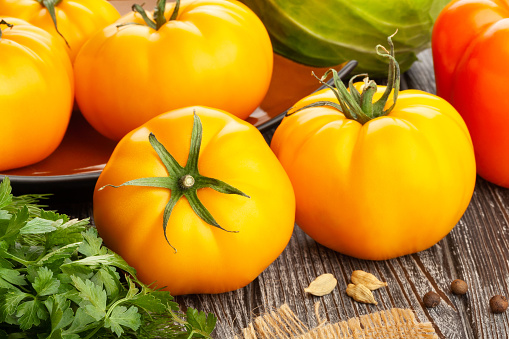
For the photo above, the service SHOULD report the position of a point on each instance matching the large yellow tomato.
(191, 220)
(215, 53)
(75, 20)
(36, 93)
(377, 182)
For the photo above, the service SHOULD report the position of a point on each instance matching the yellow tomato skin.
(216, 53)
(393, 186)
(77, 20)
(36, 94)
(208, 259)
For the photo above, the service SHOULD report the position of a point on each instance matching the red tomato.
(470, 51)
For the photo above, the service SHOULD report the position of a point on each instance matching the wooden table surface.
(477, 251)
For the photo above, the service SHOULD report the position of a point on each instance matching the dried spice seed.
(431, 299)
(459, 287)
(322, 285)
(498, 304)
(361, 293)
(367, 279)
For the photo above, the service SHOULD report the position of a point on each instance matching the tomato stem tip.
(3, 22)
(50, 6)
(357, 105)
(158, 18)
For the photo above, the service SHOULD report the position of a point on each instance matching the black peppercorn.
(431, 299)
(459, 287)
(498, 304)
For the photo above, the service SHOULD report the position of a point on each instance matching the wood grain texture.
(476, 250)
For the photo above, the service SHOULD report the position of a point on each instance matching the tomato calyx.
(184, 181)
(360, 106)
(50, 6)
(159, 18)
(3, 22)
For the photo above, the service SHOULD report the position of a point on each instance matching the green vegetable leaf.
(72, 269)
(149, 303)
(15, 224)
(94, 297)
(5, 216)
(9, 301)
(39, 226)
(4, 263)
(200, 320)
(60, 253)
(92, 244)
(10, 277)
(22, 254)
(111, 259)
(109, 279)
(5, 193)
(31, 313)
(52, 215)
(61, 315)
(67, 233)
(58, 281)
(82, 322)
(122, 316)
(45, 283)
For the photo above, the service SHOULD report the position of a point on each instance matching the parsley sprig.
(57, 280)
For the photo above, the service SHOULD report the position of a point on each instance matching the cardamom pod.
(367, 279)
(361, 294)
(322, 285)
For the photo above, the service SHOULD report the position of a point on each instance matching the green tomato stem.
(50, 6)
(3, 22)
(359, 106)
(158, 18)
(184, 181)
(175, 10)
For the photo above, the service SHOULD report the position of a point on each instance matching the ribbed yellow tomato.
(76, 20)
(391, 185)
(166, 218)
(215, 53)
(36, 93)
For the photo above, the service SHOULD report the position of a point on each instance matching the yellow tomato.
(170, 230)
(214, 53)
(36, 93)
(391, 185)
(76, 20)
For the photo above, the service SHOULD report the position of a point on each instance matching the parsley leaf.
(38, 226)
(31, 313)
(9, 301)
(94, 297)
(5, 193)
(123, 316)
(58, 281)
(44, 284)
(9, 278)
(200, 320)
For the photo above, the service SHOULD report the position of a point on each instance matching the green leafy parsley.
(57, 280)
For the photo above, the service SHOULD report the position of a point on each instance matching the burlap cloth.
(284, 324)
